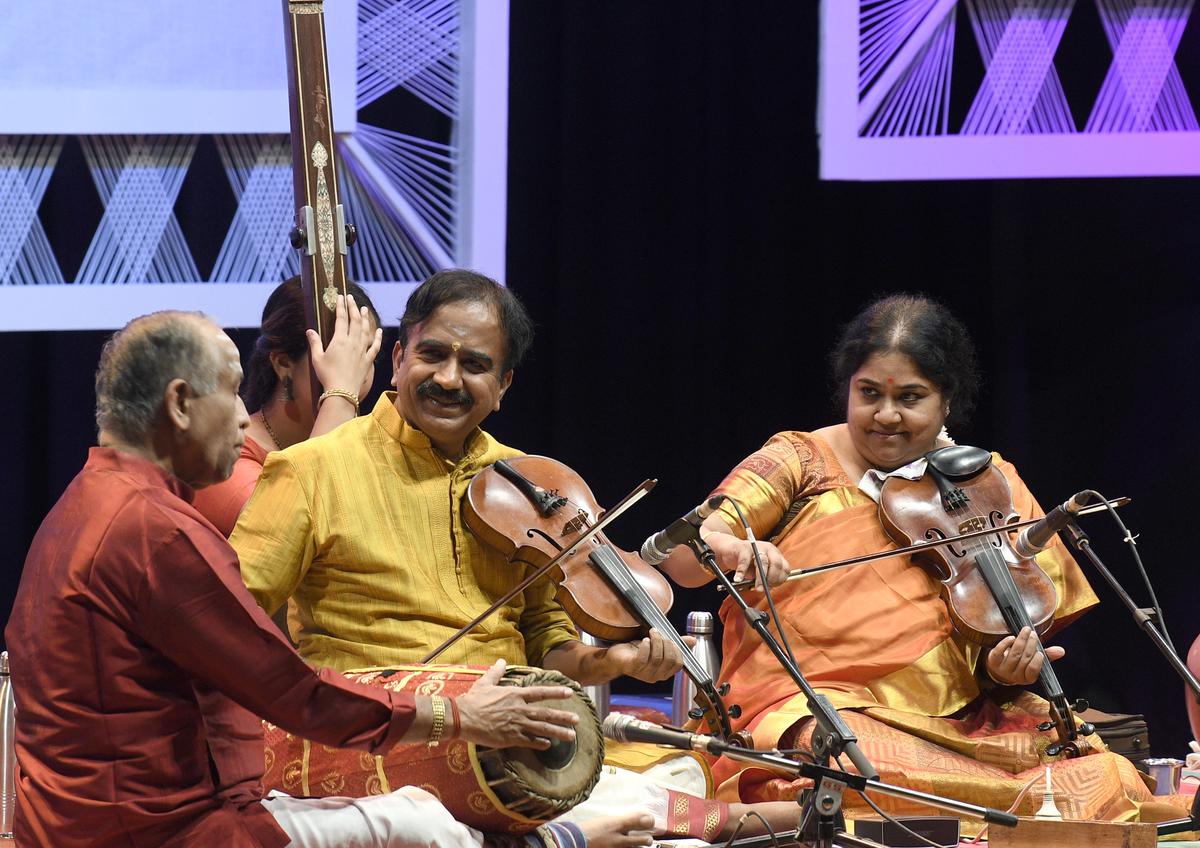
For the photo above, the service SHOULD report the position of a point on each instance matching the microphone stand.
(836, 781)
(831, 736)
(1145, 619)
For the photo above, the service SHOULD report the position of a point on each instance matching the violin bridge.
(578, 524)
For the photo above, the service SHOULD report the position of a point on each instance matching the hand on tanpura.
(734, 554)
(513, 716)
(349, 359)
(1017, 661)
(651, 659)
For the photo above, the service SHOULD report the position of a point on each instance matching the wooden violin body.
(504, 516)
(531, 508)
(990, 591)
(981, 501)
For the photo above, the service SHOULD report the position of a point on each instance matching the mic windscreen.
(613, 726)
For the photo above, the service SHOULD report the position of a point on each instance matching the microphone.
(625, 728)
(656, 548)
(1037, 537)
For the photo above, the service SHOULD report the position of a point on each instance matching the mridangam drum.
(508, 790)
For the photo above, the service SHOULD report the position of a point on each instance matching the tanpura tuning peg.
(723, 690)
(1046, 725)
(696, 713)
(297, 237)
(735, 711)
(351, 234)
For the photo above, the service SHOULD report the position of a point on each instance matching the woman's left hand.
(1016, 660)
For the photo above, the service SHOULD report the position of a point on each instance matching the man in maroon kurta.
(131, 613)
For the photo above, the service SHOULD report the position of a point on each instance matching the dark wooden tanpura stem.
(320, 234)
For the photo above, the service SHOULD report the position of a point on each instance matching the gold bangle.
(439, 720)
(342, 393)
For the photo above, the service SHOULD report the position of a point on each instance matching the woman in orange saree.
(931, 711)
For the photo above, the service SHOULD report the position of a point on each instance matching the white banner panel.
(72, 67)
(888, 88)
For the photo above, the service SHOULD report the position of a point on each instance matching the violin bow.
(608, 517)
(800, 573)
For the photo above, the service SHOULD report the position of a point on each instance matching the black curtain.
(688, 273)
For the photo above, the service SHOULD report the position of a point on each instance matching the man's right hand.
(513, 716)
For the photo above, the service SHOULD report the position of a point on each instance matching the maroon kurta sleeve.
(196, 610)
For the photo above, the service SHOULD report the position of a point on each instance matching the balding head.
(140, 360)
(167, 389)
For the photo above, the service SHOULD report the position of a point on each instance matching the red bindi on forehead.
(890, 381)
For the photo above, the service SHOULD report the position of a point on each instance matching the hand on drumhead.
(652, 659)
(513, 716)
(622, 831)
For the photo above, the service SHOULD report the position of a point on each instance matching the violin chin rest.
(959, 462)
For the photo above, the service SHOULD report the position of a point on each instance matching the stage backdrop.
(155, 97)
(943, 89)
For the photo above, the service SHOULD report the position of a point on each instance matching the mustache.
(431, 389)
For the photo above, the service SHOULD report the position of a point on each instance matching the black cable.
(762, 578)
(742, 822)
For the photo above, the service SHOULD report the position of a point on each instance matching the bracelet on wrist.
(342, 393)
(438, 728)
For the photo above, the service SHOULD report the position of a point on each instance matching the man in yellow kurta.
(364, 526)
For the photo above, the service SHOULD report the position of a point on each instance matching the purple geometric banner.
(907, 93)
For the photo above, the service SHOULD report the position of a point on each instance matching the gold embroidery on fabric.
(306, 749)
(712, 820)
(458, 758)
(431, 687)
(333, 783)
(679, 816)
(479, 802)
(384, 785)
(293, 775)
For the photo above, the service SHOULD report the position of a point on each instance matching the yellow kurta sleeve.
(274, 535)
(544, 623)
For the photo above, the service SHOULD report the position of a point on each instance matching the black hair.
(456, 285)
(924, 331)
(283, 331)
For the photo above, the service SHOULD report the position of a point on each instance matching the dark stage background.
(688, 273)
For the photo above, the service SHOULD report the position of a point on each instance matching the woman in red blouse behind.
(278, 392)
